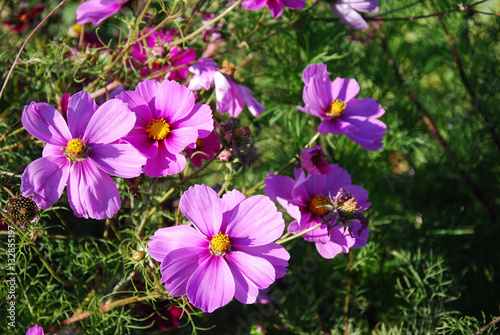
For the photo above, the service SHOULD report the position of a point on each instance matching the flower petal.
(278, 186)
(344, 89)
(364, 107)
(45, 177)
(168, 239)
(231, 199)
(173, 101)
(45, 123)
(203, 207)
(211, 286)
(179, 266)
(120, 160)
(253, 4)
(200, 118)
(317, 69)
(275, 7)
(257, 269)
(179, 139)
(254, 221)
(273, 253)
(111, 121)
(81, 107)
(164, 163)
(91, 192)
(245, 290)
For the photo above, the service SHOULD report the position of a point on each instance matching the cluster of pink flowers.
(228, 249)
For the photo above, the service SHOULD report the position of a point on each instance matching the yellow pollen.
(219, 244)
(75, 149)
(227, 68)
(318, 200)
(158, 129)
(336, 108)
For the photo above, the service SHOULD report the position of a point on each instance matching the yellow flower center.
(336, 108)
(219, 244)
(317, 201)
(158, 129)
(348, 208)
(75, 150)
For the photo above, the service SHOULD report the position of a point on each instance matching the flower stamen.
(348, 209)
(336, 108)
(315, 204)
(219, 244)
(158, 129)
(75, 150)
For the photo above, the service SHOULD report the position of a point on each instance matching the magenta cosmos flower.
(302, 197)
(275, 6)
(229, 252)
(80, 153)
(96, 11)
(347, 10)
(206, 148)
(312, 160)
(35, 330)
(152, 54)
(230, 96)
(168, 121)
(334, 103)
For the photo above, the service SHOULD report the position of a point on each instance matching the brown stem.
(480, 331)
(464, 78)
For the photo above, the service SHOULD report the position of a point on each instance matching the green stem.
(284, 240)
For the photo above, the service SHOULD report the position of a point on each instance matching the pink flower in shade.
(96, 11)
(80, 153)
(229, 252)
(23, 18)
(334, 103)
(230, 96)
(154, 50)
(275, 6)
(312, 161)
(168, 121)
(347, 10)
(206, 148)
(302, 197)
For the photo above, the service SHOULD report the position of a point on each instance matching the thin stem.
(348, 292)
(199, 30)
(24, 46)
(284, 240)
(485, 328)
(9, 191)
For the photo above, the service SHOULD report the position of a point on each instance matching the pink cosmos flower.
(312, 160)
(347, 10)
(168, 121)
(206, 148)
(230, 96)
(229, 252)
(96, 11)
(80, 153)
(334, 103)
(302, 197)
(275, 6)
(154, 50)
(35, 330)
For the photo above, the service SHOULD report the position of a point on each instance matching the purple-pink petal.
(179, 265)
(81, 107)
(279, 187)
(164, 163)
(335, 126)
(200, 117)
(120, 160)
(253, 4)
(364, 107)
(231, 199)
(254, 221)
(180, 138)
(349, 16)
(173, 101)
(111, 121)
(203, 74)
(245, 290)
(168, 239)
(203, 207)
(45, 177)
(272, 252)
(294, 4)
(96, 11)
(344, 89)
(91, 192)
(35, 330)
(211, 285)
(257, 269)
(317, 69)
(45, 123)
(275, 7)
